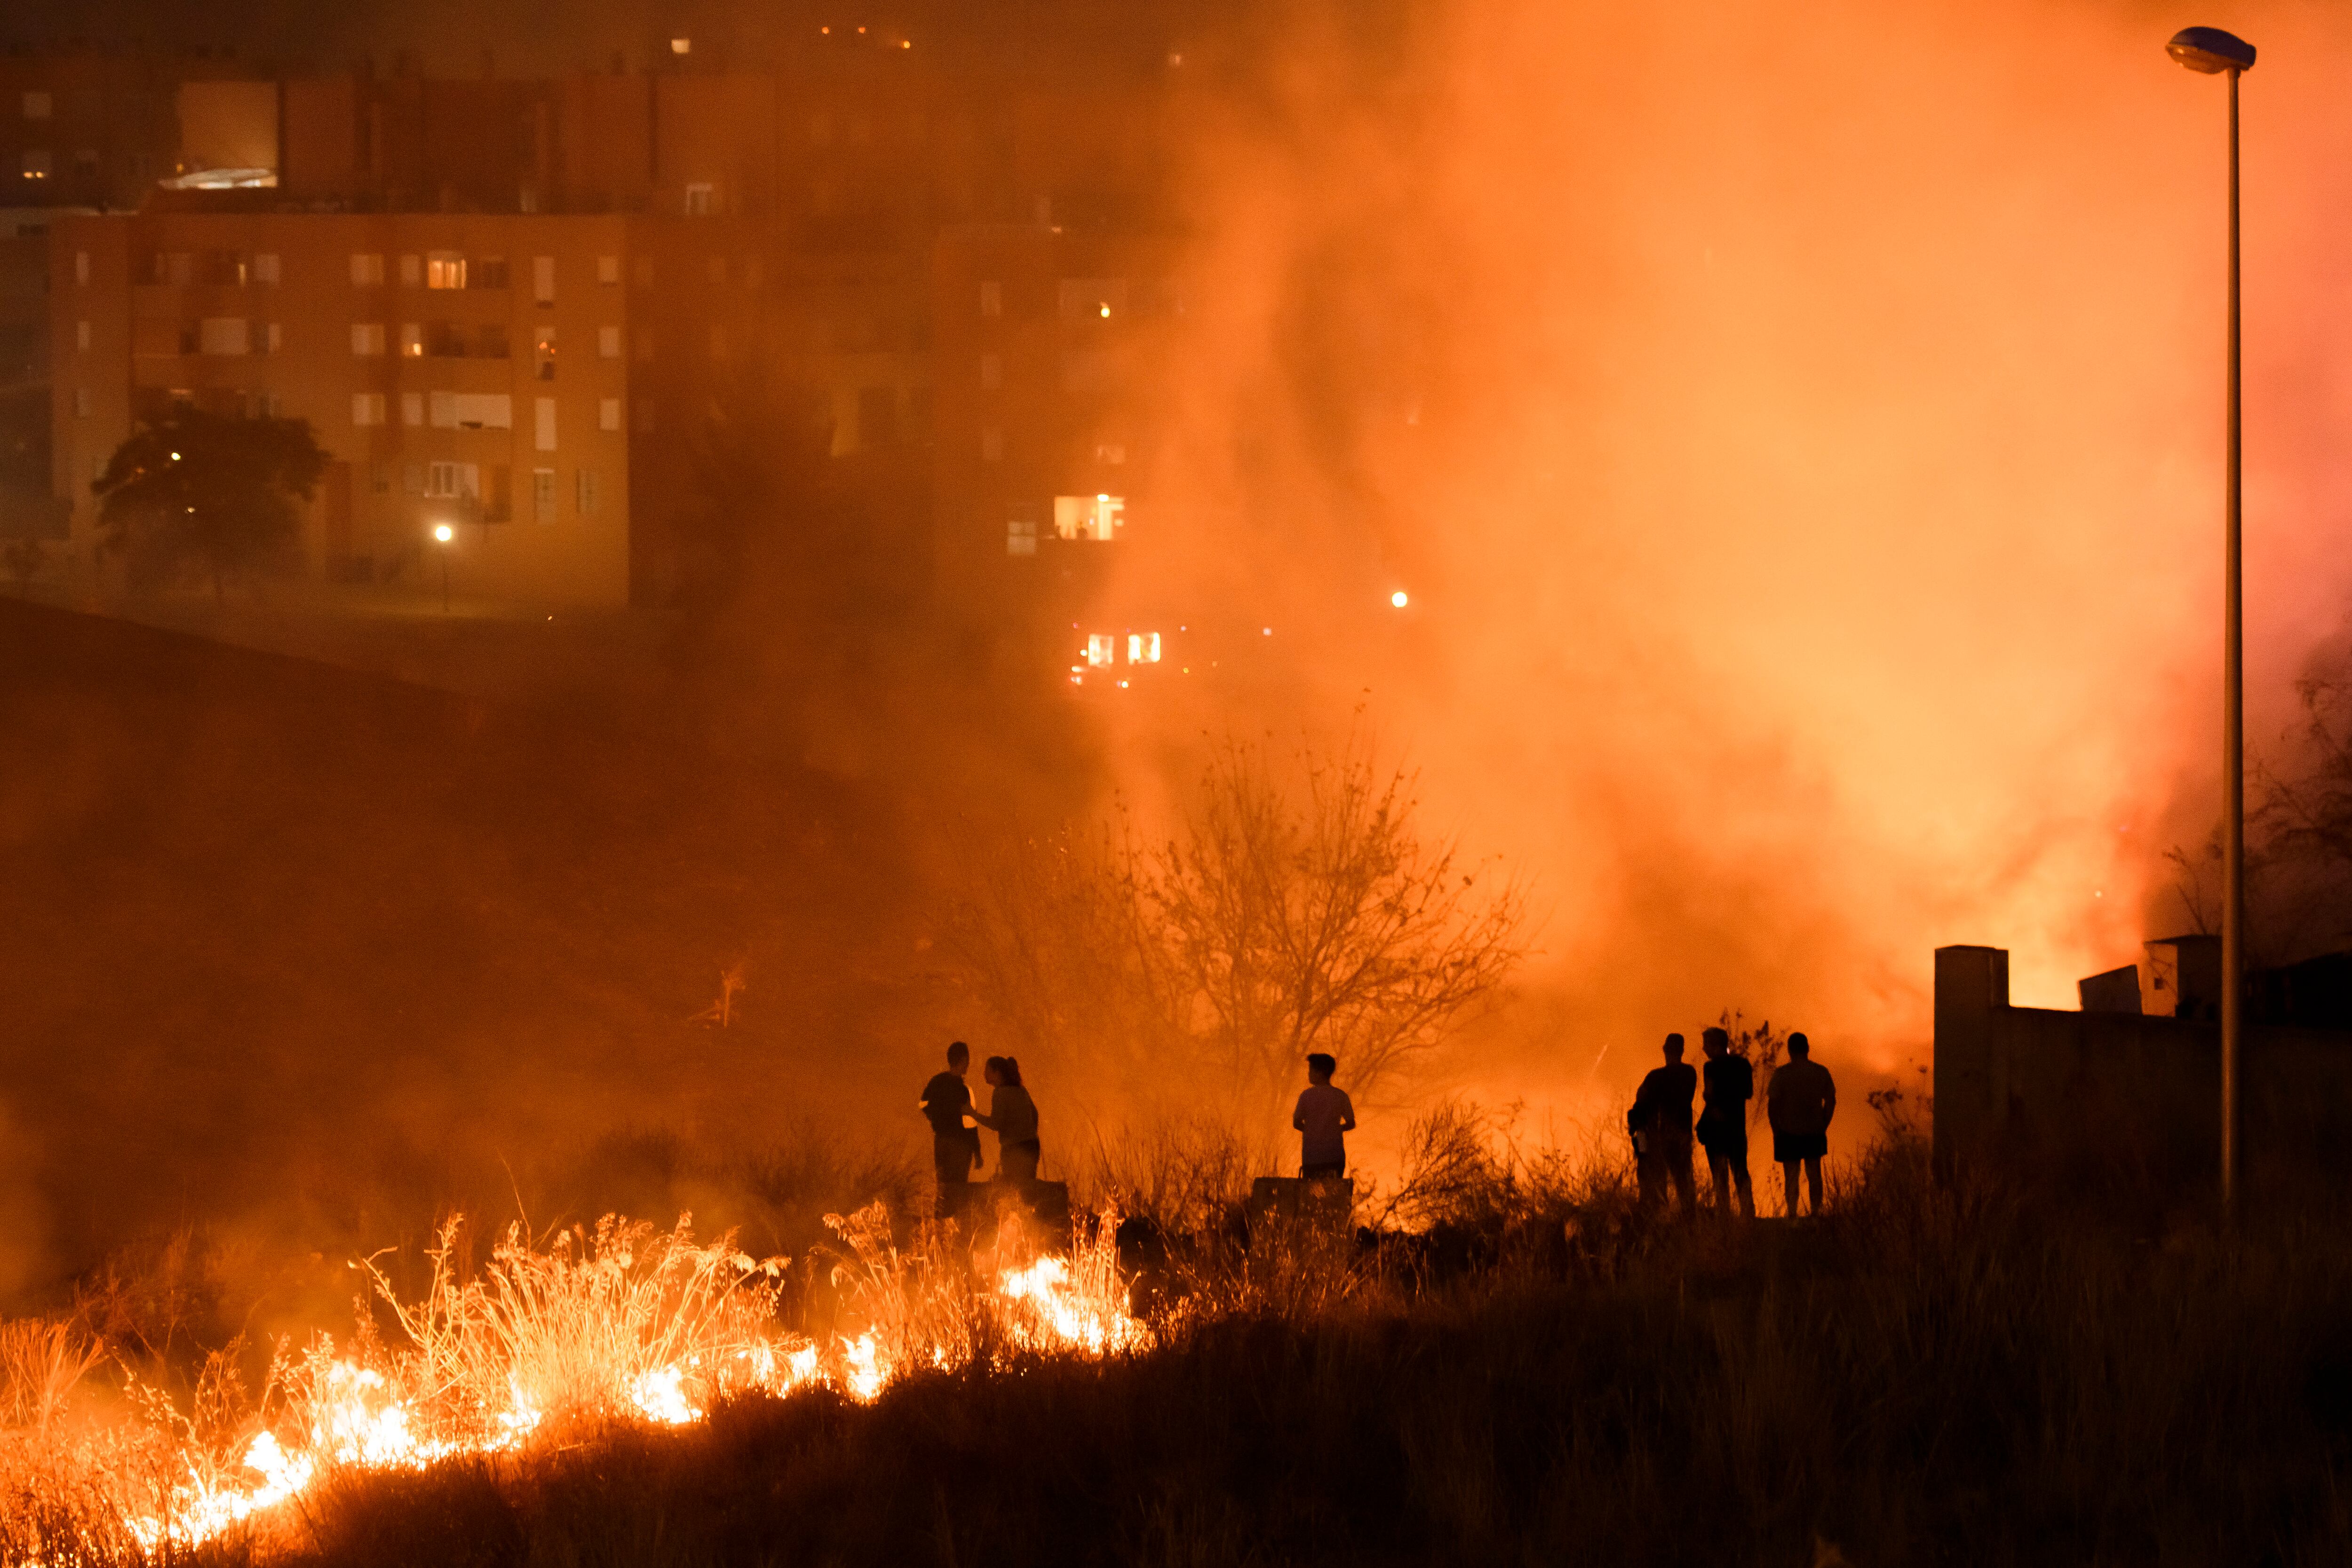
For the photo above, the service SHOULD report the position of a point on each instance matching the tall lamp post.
(2213, 52)
(442, 534)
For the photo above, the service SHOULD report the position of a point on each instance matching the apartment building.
(467, 369)
(1053, 411)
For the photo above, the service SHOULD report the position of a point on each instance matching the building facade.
(459, 369)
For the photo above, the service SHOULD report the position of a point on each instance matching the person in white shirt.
(1324, 1118)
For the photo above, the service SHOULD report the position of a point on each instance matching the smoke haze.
(1799, 433)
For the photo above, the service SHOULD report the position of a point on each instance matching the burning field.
(549, 1339)
(1513, 1362)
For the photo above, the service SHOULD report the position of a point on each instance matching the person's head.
(993, 1070)
(1715, 1042)
(958, 1058)
(1673, 1048)
(1008, 1070)
(1320, 1066)
(1799, 1047)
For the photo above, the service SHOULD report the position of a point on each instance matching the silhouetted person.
(1799, 1102)
(1324, 1119)
(1012, 1117)
(1661, 1120)
(955, 1145)
(1729, 1084)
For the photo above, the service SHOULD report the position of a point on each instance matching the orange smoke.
(1799, 433)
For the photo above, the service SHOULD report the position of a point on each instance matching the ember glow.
(617, 1324)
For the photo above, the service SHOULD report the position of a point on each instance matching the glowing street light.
(442, 534)
(2212, 52)
(1400, 599)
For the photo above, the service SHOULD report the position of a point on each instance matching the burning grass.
(1952, 1372)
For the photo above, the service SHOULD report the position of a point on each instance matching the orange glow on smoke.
(1810, 433)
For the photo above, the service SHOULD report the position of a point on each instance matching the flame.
(382, 1409)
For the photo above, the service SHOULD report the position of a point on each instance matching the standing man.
(955, 1147)
(1661, 1115)
(1324, 1118)
(1730, 1084)
(1799, 1102)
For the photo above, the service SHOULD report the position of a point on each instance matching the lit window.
(1143, 647)
(445, 269)
(1021, 536)
(444, 405)
(542, 353)
(608, 413)
(37, 105)
(542, 280)
(1102, 650)
(542, 494)
(608, 343)
(542, 433)
(584, 491)
(701, 199)
(412, 341)
(412, 408)
(222, 335)
(1097, 517)
(276, 339)
(1092, 298)
(367, 271)
(37, 163)
(608, 271)
(992, 298)
(681, 45)
(367, 408)
(81, 268)
(367, 337)
(267, 269)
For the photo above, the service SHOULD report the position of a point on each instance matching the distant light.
(861, 29)
(906, 43)
(1099, 499)
(1105, 307)
(1269, 630)
(681, 45)
(1175, 60)
(444, 532)
(826, 31)
(1399, 598)
(176, 457)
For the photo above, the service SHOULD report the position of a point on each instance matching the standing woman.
(1012, 1117)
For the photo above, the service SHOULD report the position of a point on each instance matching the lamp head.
(443, 533)
(2210, 50)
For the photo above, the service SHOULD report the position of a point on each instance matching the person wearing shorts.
(1800, 1102)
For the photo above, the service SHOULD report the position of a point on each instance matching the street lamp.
(442, 534)
(2213, 52)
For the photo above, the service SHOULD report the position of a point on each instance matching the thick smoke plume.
(1798, 433)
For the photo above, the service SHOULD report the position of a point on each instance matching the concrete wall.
(2122, 1094)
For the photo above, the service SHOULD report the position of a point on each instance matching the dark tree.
(208, 495)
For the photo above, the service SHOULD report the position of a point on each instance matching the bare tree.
(1273, 922)
(1318, 919)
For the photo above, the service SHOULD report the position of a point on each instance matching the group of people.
(1324, 1118)
(1800, 1099)
(956, 1121)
